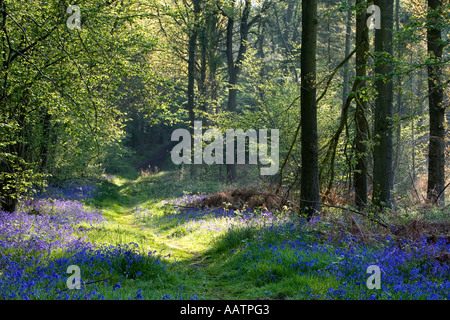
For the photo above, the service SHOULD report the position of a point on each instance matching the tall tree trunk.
(361, 136)
(399, 102)
(213, 34)
(261, 55)
(234, 67)
(232, 91)
(6, 200)
(346, 76)
(382, 154)
(233, 70)
(310, 189)
(412, 114)
(436, 153)
(329, 34)
(192, 45)
(201, 82)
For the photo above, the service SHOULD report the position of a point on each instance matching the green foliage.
(60, 92)
(105, 98)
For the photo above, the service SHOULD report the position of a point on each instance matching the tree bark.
(436, 152)
(382, 153)
(361, 136)
(234, 67)
(310, 189)
(45, 141)
(346, 75)
(192, 45)
(232, 91)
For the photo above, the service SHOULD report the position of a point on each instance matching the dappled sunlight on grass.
(180, 251)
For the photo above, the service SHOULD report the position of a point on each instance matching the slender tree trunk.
(232, 91)
(346, 77)
(310, 189)
(399, 102)
(201, 82)
(6, 202)
(45, 142)
(234, 67)
(382, 156)
(412, 114)
(213, 39)
(329, 34)
(261, 55)
(436, 153)
(413, 124)
(361, 136)
(191, 72)
(192, 45)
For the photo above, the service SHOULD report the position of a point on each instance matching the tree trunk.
(330, 68)
(310, 189)
(399, 102)
(436, 153)
(45, 141)
(382, 153)
(234, 68)
(232, 91)
(346, 76)
(361, 136)
(192, 44)
(201, 82)
(213, 35)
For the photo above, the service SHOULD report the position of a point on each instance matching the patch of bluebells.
(179, 295)
(38, 243)
(185, 200)
(46, 225)
(409, 269)
(141, 213)
(69, 192)
(45, 277)
(215, 220)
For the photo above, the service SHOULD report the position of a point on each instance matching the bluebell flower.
(138, 295)
(117, 286)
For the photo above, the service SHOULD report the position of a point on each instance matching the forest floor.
(157, 242)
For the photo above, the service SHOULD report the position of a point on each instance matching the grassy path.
(120, 199)
(200, 260)
(206, 259)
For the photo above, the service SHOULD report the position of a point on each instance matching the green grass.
(199, 260)
(118, 199)
(210, 264)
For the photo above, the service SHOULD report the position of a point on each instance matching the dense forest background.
(363, 113)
